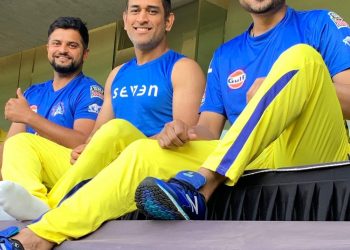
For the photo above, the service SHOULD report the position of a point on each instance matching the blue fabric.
(237, 146)
(81, 98)
(239, 62)
(9, 232)
(143, 94)
(74, 190)
(193, 178)
(6, 234)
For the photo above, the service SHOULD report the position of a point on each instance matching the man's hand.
(17, 109)
(174, 134)
(199, 132)
(76, 152)
(256, 85)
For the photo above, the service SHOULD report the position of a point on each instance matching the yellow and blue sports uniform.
(143, 94)
(81, 98)
(142, 98)
(294, 118)
(230, 77)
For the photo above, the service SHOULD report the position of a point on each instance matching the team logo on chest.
(347, 40)
(236, 79)
(337, 20)
(58, 109)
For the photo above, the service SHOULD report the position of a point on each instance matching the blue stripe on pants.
(242, 138)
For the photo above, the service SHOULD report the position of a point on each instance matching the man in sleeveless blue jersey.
(63, 109)
(144, 94)
(293, 69)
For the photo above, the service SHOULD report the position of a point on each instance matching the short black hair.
(166, 6)
(74, 23)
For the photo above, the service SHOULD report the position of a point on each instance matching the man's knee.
(115, 124)
(19, 139)
(301, 53)
(114, 129)
(144, 146)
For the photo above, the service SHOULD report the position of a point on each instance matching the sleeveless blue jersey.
(143, 94)
(237, 63)
(81, 98)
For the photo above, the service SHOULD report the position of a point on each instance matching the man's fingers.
(19, 94)
(174, 138)
(164, 143)
(180, 130)
(169, 140)
(74, 155)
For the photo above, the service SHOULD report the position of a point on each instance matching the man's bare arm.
(106, 114)
(209, 127)
(188, 88)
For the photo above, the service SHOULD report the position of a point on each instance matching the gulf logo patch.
(34, 108)
(236, 79)
(337, 20)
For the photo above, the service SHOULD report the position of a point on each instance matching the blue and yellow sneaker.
(177, 199)
(6, 243)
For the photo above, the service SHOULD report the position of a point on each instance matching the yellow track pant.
(43, 167)
(296, 120)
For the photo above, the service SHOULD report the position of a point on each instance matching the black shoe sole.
(152, 201)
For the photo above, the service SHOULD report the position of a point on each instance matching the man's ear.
(124, 18)
(169, 22)
(85, 54)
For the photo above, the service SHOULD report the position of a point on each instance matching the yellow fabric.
(288, 133)
(44, 166)
(105, 146)
(302, 125)
(2, 135)
(34, 162)
(111, 193)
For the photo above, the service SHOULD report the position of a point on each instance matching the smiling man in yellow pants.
(141, 96)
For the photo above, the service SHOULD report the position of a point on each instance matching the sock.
(19, 203)
(5, 216)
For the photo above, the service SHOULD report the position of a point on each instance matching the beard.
(262, 9)
(73, 67)
(147, 44)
